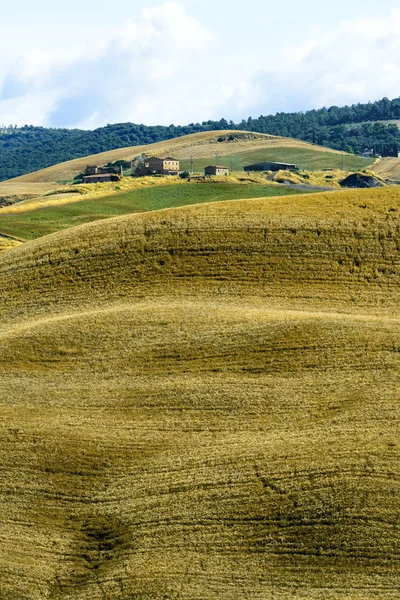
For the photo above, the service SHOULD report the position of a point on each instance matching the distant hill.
(28, 149)
(241, 147)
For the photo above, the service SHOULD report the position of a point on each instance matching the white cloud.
(157, 70)
(358, 62)
(168, 68)
(160, 69)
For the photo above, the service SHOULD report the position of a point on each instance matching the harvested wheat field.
(388, 168)
(16, 188)
(203, 403)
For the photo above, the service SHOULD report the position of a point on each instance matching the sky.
(89, 63)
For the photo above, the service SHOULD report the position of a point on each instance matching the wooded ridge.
(350, 128)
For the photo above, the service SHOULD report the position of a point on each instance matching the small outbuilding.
(216, 170)
(368, 153)
(100, 178)
(271, 166)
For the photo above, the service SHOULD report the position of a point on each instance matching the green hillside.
(305, 158)
(42, 221)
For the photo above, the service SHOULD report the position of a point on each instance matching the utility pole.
(191, 165)
(342, 160)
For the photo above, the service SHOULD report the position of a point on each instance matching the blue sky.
(85, 64)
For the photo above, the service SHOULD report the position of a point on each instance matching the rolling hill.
(45, 203)
(202, 146)
(203, 402)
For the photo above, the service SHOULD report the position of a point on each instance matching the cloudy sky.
(93, 62)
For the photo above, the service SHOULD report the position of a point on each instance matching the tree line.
(351, 128)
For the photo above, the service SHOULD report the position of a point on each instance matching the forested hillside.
(351, 128)
(27, 149)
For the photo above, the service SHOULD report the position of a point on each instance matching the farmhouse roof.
(216, 167)
(271, 162)
(162, 158)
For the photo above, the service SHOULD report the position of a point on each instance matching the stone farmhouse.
(216, 170)
(96, 174)
(161, 166)
(100, 178)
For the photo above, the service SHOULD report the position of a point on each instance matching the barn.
(100, 178)
(216, 170)
(271, 166)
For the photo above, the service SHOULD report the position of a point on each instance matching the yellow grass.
(14, 188)
(203, 403)
(7, 243)
(331, 178)
(257, 142)
(388, 168)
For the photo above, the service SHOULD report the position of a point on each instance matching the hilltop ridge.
(350, 128)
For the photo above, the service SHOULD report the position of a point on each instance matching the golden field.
(7, 243)
(14, 188)
(389, 168)
(203, 403)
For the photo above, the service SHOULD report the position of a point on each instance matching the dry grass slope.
(27, 188)
(203, 403)
(388, 168)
